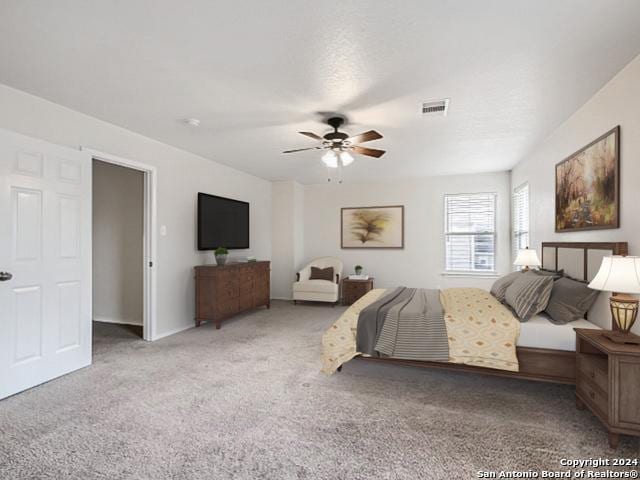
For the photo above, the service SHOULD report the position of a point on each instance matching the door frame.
(149, 235)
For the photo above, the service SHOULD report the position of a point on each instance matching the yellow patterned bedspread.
(481, 331)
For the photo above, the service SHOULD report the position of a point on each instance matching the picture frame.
(587, 186)
(380, 227)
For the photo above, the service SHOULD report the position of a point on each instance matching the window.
(520, 223)
(470, 232)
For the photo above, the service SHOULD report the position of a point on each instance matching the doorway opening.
(117, 246)
(123, 248)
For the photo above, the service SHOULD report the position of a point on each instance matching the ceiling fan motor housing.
(336, 136)
(336, 122)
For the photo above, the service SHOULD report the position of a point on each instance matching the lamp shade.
(618, 274)
(527, 258)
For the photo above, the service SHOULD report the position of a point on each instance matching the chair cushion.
(321, 273)
(320, 286)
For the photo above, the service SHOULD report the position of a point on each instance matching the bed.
(544, 351)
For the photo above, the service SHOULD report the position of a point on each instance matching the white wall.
(287, 235)
(118, 202)
(617, 103)
(421, 262)
(180, 176)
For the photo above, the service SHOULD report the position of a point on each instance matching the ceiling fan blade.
(370, 152)
(311, 135)
(301, 149)
(365, 137)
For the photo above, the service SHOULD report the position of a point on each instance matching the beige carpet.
(248, 401)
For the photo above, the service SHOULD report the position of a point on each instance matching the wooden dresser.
(608, 382)
(224, 291)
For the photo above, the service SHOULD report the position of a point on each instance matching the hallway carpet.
(248, 401)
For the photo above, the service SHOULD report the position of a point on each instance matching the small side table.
(607, 382)
(352, 289)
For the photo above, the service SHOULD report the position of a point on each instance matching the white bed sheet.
(539, 332)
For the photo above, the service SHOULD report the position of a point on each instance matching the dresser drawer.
(594, 368)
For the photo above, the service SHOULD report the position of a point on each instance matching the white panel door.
(45, 260)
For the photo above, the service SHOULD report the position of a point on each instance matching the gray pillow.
(529, 294)
(557, 275)
(570, 300)
(499, 287)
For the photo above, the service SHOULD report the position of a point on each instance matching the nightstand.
(352, 289)
(608, 382)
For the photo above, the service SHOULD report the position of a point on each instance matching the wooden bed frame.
(557, 366)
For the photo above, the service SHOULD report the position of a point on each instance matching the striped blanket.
(406, 323)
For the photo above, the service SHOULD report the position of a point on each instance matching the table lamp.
(621, 276)
(527, 258)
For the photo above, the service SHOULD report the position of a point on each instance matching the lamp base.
(619, 337)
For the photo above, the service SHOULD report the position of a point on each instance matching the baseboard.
(282, 298)
(171, 332)
(115, 320)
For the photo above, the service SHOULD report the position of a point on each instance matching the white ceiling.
(256, 72)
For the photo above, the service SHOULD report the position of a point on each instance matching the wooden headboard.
(582, 260)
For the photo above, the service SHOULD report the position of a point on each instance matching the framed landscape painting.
(372, 227)
(588, 186)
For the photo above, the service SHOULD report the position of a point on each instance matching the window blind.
(520, 221)
(470, 232)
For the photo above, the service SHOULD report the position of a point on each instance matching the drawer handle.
(592, 395)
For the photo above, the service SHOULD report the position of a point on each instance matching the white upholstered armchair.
(318, 290)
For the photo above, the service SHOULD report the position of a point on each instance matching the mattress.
(539, 332)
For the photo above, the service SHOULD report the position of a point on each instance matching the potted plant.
(358, 269)
(221, 255)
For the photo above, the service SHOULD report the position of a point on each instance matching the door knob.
(4, 276)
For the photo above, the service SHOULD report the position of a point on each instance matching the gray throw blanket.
(407, 323)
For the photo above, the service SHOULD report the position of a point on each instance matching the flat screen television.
(222, 222)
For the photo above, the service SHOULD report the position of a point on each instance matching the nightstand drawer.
(352, 290)
(594, 368)
(355, 288)
(594, 397)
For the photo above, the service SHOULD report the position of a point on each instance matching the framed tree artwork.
(372, 227)
(588, 186)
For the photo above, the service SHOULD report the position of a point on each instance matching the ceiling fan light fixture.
(346, 158)
(330, 159)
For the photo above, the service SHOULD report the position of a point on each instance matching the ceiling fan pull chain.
(339, 169)
(328, 175)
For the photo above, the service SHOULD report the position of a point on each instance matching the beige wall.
(117, 243)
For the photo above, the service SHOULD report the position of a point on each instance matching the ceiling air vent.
(436, 108)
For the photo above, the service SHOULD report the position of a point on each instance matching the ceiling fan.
(339, 145)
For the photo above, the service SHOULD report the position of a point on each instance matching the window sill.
(471, 274)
